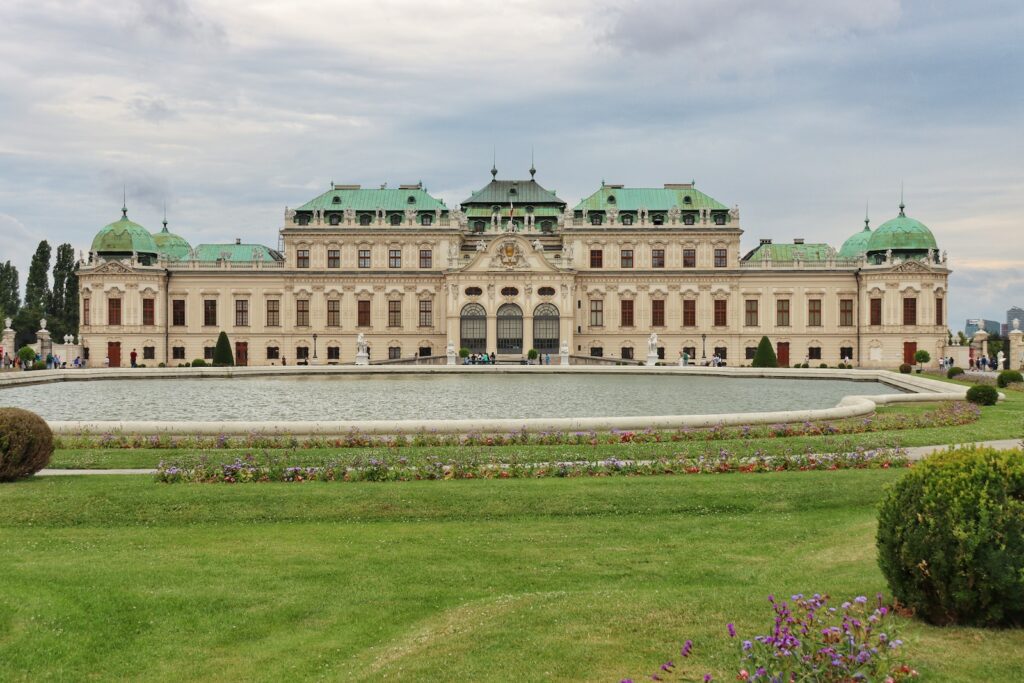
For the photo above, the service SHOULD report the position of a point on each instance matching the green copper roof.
(789, 252)
(484, 211)
(901, 234)
(650, 198)
(360, 199)
(857, 244)
(173, 247)
(518, 192)
(124, 237)
(244, 253)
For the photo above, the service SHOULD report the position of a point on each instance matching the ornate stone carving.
(410, 216)
(509, 256)
(350, 216)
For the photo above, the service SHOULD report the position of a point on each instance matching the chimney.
(238, 240)
(765, 240)
(798, 240)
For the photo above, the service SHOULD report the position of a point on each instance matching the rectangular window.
(394, 314)
(148, 353)
(85, 311)
(273, 352)
(596, 258)
(334, 258)
(722, 352)
(750, 313)
(689, 258)
(426, 313)
(846, 353)
(627, 352)
(426, 258)
(364, 258)
(658, 313)
(333, 353)
(749, 352)
(597, 313)
(302, 353)
(938, 311)
(302, 258)
(334, 313)
(721, 311)
(273, 313)
(394, 352)
(721, 260)
(910, 310)
(846, 312)
(394, 258)
(814, 353)
(814, 312)
(627, 258)
(626, 313)
(876, 312)
(782, 313)
(113, 311)
(241, 312)
(178, 352)
(208, 352)
(363, 313)
(690, 351)
(178, 312)
(302, 312)
(210, 312)
(690, 313)
(148, 312)
(657, 258)
(597, 351)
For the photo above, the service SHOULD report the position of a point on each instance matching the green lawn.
(582, 579)
(1002, 421)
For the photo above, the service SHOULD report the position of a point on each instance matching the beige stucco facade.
(408, 287)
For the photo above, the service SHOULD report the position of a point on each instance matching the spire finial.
(124, 201)
(867, 225)
(165, 215)
(533, 169)
(494, 163)
(902, 205)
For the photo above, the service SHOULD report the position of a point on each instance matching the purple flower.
(687, 646)
(707, 678)
(732, 630)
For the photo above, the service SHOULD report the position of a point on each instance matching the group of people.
(53, 362)
(492, 358)
(981, 364)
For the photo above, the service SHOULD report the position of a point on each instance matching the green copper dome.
(173, 247)
(903, 235)
(124, 237)
(857, 245)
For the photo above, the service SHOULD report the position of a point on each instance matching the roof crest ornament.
(533, 168)
(902, 205)
(124, 201)
(494, 163)
(867, 222)
(165, 215)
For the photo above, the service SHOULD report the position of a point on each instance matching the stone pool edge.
(920, 389)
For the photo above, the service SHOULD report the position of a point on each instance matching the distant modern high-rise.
(1014, 313)
(974, 324)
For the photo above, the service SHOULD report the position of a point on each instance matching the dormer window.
(659, 219)
(611, 199)
(396, 219)
(512, 191)
(426, 219)
(303, 220)
(410, 200)
(595, 219)
(719, 219)
(335, 218)
(336, 200)
(529, 209)
(688, 219)
(364, 219)
(687, 200)
(478, 226)
(626, 218)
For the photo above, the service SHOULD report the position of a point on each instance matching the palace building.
(514, 267)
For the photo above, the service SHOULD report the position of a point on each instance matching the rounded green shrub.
(1007, 377)
(26, 443)
(198, 363)
(951, 538)
(953, 372)
(464, 352)
(905, 368)
(983, 395)
(532, 354)
(27, 355)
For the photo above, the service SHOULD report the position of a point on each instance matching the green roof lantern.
(905, 236)
(172, 247)
(124, 237)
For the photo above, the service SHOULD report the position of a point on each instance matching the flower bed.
(253, 469)
(947, 415)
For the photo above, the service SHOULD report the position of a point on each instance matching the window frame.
(302, 313)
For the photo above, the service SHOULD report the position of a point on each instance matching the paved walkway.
(914, 453)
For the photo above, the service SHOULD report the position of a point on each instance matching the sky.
(801, 113)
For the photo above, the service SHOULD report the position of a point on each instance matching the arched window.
(545, 226)
(474, 291)
(546, 291)
(512, 191)
(473, 328)
(611, 199)
(396, 219)
(364, 219)
(510, 329)
(687, 200)
(411, 200)
(545, 328)
(479, 226)
(336, 200)
(529, 209)
(509, 291)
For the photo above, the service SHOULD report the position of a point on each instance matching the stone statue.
(8, 321)
(437, 216)
(931, 255)
(943, 255)
(538, 245)
(480, 245)
(652, 344)
(350, 215)
(42, 324)
(567, 252)
(734, 212)
(410, 215)
(1000, 357)
(450, 349)
(1016, 323)
(289, 215)
(361, 343)
(565, 347)
(888, 255)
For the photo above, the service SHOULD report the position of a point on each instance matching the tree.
(37, 288)
(922, 356)
(10, 289)
(63, 305)
(222, 356)
(764, 357)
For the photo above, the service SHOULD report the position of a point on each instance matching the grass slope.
(596, 579)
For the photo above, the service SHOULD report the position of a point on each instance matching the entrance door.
(909, 349)
(241, 353)
(114, 354)
(510, 329)
(782, 354)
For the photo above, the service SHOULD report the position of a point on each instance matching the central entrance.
(510, 329)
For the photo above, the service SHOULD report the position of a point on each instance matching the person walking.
(135, 357)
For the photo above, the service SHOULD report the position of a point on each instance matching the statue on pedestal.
(8, 321)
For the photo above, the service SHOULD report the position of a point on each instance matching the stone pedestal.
(1016, 346)
(7, 340)
(563, 354)
(652, 359)
(450, 355)
(45, 344)
(362, 358)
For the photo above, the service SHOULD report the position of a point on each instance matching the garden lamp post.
(314, 348)
(703, 345)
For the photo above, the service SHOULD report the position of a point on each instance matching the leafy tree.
(10, 290)
(222, 355)
(63, 306)
(922, 356)
(37, 288)
(765, 357)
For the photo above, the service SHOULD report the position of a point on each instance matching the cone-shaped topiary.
(222, 355)
(951, 538)
(26, 443)
(764, 357)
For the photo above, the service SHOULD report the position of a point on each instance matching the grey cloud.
(151, 109)
(173, 20)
